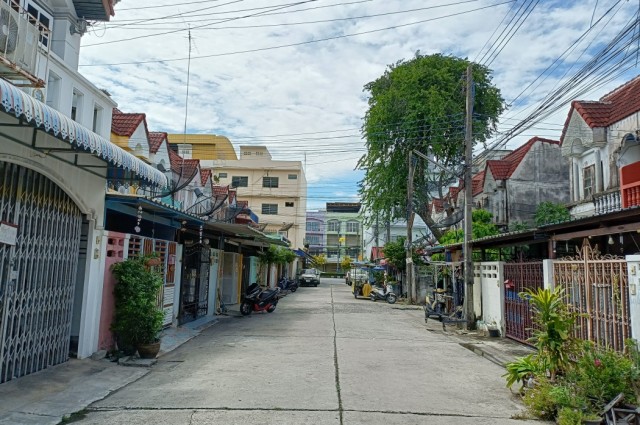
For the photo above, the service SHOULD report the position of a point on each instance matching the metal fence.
(518, 277)
(597, 288)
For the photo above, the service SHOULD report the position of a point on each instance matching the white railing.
(607, 202)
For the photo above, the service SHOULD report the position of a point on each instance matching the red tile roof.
(437, 204)
(205, 175)
(504, 168)
(611, 108)
(242, 204)
(156, 139)
(186, 168)
(125, 124)
(232, 196)
(477, 183)
(220, 190)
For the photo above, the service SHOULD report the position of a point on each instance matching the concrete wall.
(633, 267)
(489, 277)
(542, 176)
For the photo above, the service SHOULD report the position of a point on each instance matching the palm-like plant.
(555, 323)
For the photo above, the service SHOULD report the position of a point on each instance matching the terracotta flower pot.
(153, 262)
(149, 351)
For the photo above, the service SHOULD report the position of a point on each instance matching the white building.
(378, 237)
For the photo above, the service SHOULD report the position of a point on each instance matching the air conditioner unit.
(8, 30)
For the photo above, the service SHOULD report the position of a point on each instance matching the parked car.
(309, 277)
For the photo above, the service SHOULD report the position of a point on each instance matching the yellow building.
(204, 146)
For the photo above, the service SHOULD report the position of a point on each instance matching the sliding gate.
(37, 271)
(518, 278)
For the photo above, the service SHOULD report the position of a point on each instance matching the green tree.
(482, 226)
(548, 212)
(395, 253)
(346, 262)
(319, 260)
(420, 104)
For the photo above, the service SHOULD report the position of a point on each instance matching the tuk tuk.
(360, 276)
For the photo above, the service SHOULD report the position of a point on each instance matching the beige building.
(275, 190)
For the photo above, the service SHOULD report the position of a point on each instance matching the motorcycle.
(385, 293)
(255, 299)
(286, 284)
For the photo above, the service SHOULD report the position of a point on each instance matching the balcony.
(607, 202)
(20, 40)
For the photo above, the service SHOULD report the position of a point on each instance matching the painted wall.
(633, 267)
(489, 277)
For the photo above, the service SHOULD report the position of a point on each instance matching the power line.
(300, 43)
(312, 22)
(199, 26)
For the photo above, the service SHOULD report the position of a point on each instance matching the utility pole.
(469, 311)
(377, 231)
(411, 287)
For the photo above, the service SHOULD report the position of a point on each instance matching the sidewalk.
(46, 397)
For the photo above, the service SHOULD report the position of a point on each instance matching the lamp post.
(341, 240)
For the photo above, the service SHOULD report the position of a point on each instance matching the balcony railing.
(607, 202)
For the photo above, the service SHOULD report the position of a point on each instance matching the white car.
(309, 277)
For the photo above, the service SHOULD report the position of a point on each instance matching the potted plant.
(137, 320)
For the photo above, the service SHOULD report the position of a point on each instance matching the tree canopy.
(420, 104)
(548, 212)
(396, 254)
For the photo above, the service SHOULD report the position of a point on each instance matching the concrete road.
(322, 357)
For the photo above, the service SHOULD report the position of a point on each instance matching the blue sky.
(305, 102)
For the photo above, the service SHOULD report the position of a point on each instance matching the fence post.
(549, 277)
(633, 268)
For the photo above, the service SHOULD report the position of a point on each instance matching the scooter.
(255, 299)
(286, 284)
(378, 293)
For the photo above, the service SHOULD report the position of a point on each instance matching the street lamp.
(341, 240)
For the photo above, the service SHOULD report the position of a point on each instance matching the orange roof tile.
(156, 139)
(220, 190)
(611, 108)
(205, 175)
(125, 124)
(186, 168)
(477, 183)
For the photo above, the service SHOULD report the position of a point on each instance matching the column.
(576, 181)
(598, 168)
(633, 268)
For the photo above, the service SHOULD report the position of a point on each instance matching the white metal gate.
(37, 274)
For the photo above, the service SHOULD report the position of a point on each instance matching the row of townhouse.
(83, 186)
(593, 169)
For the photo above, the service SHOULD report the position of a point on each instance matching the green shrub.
(569, 416)
(137, 318)
(600, 374)
(522, 368)
(540, 401)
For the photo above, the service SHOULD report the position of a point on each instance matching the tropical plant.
(420, 104)
(137, 319)
(346, 262)
(396, 254)
(554, 324)
(548, 212)
(319, 260)
(522, 369)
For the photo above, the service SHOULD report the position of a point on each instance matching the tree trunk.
(426, 217)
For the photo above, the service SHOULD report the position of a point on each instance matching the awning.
(116, 202)
(302, 253)
(36, 114)
(243, 232)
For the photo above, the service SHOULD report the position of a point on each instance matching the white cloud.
(315, 87)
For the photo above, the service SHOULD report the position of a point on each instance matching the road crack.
(335, 358)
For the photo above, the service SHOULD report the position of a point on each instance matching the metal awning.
(34, 113)
(116, 202)
(243, 232)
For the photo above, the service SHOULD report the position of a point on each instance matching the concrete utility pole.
(411, 285)
(469, 311)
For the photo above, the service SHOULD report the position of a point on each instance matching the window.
(288, 204)
(332, 253)
(353, 226)
(96, 126)
(42, 20)
(333, 226)
(222, 175)
(239, 181)
(271, 182)
(245, 153)
(76, 105)
(269, 209)
(292, 177)
(313, 239)
(313, 226)
(588, 180)
(53, 90)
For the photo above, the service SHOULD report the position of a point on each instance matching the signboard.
(8, 233)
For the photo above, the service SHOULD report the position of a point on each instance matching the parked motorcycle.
(286, 284)
(378, 293)
(255, 299)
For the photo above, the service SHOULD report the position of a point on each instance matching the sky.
(290, 74)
